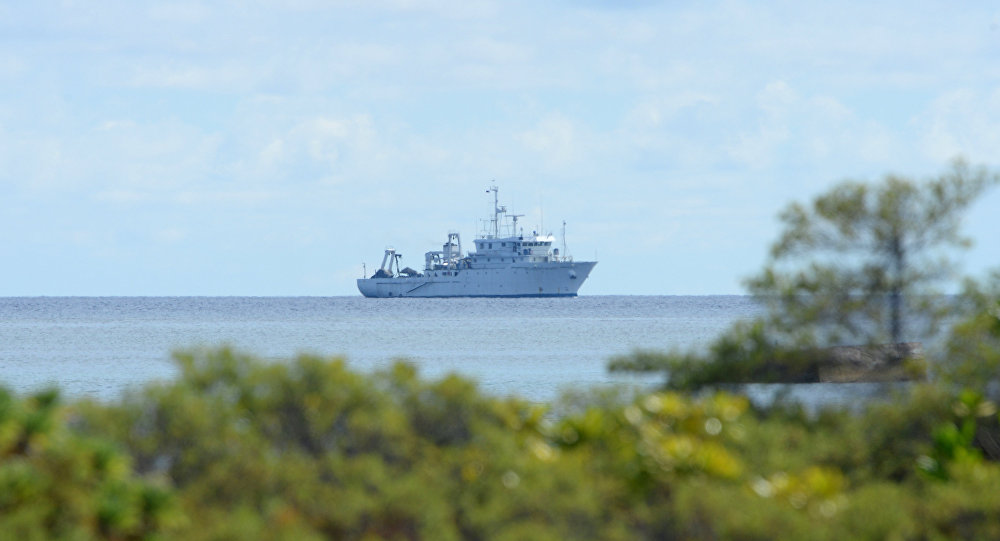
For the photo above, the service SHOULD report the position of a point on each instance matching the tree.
(862, 261)
(858, 265)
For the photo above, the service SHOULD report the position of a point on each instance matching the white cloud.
(12, 67)
(311, 149)
(214, 197)
(962, 122)
(122, 196)
(159, 156)
(191, 76)
(654, 112)
(777, 100)
(170, 235)
(759, 149)
(273, 153)
(179, 12)
(820, 129)
(554, 138)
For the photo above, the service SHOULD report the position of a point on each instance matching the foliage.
(857, 265)
(58, 484)
(973, 346)
(955, 441)
(308, 449)
(860, 263)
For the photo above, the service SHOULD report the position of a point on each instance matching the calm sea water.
(534, 348)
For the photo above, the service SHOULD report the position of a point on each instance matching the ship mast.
(497, 211)
(564, 238)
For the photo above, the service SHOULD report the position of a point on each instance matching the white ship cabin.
(531, 249)
(493, 250)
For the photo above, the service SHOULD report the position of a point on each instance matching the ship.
(505, 263)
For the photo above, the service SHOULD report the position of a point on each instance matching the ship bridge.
(534, 249)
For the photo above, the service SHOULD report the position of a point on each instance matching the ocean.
(535, 348)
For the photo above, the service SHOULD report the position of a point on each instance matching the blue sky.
(269, 148)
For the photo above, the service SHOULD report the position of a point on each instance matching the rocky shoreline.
(877, 363)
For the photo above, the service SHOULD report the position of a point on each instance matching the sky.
(272, 148)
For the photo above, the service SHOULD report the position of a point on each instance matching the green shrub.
(238, 448)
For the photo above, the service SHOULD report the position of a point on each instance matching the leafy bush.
(308, 449)
(58, 484)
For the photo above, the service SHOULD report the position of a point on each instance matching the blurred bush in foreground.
(238, 448)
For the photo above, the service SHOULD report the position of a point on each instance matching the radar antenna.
(515, 217)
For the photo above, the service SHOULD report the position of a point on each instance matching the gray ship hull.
(548, 279)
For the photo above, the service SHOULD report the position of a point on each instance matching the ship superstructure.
(505, 263)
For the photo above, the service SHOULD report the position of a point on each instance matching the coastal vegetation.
(862, 263)
(236, 447)
(240, 448)
(851, 276)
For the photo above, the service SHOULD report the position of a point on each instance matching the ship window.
(503, 244)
